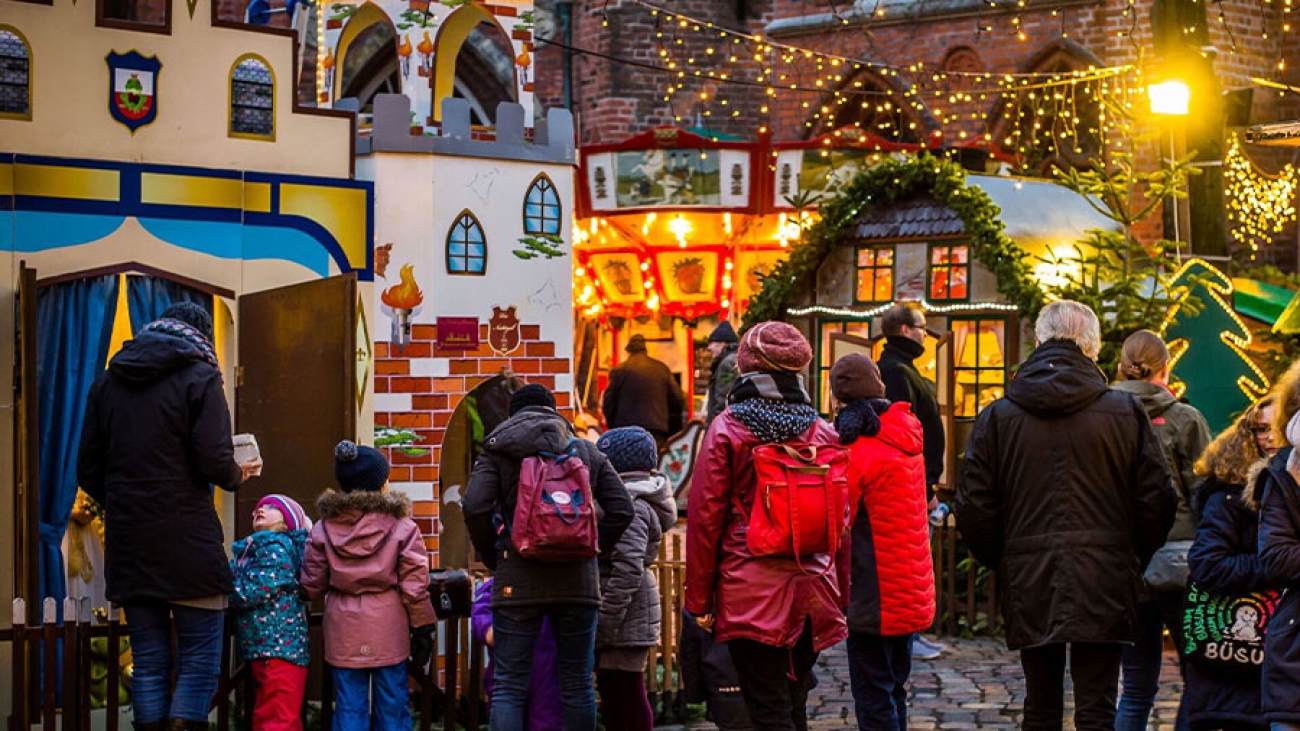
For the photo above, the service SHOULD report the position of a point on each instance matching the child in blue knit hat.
(270, 615)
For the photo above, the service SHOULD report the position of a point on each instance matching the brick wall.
(420, 388)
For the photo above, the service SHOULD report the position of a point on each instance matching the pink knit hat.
(294, 516)
(773, 347)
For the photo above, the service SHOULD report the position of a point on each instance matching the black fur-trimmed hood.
(334, 504)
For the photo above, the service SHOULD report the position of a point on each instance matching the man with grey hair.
(1066, 492)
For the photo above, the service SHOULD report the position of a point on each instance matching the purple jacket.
(545, 709)
(369, 561)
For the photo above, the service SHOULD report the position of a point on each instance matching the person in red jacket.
(892, 595)
(776, 613)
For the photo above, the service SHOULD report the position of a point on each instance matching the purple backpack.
(555, 516)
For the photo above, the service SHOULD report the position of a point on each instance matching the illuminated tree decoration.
(1259, 206)
(1208, 348)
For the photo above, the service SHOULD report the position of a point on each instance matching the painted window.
(949, 272)
(980, 371)
(875, 274)
(15, 76)
(252, 99)
(466, 246)
(542, 208)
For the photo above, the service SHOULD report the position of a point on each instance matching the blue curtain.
(74, 327)
(147, 297)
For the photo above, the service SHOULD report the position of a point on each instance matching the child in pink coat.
(367, 557)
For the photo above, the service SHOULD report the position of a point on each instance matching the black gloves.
(421, 649)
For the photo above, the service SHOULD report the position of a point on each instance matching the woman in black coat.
(1224, 559)
(1279, 555)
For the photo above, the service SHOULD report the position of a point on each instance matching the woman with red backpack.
(778, 608)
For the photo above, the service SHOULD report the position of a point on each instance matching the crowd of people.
(1111, 515)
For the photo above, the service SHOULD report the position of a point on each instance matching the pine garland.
(893, 179)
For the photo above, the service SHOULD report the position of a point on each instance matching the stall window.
(542, 208)
(466, 246)
(252, 99)
(15, 76)
(980, 372)
(875, 274)
(949, 272)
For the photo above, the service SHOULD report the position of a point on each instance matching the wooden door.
(296, 387)
(26, 448)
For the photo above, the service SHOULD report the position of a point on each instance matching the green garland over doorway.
(893, 179)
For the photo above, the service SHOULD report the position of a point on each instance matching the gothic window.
(466, 246)
(15, 75)
(252, 99)
(542, 208)
(1053, 128)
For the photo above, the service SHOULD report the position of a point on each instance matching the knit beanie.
(636, 344)
(856, 376)
(630, 449)
(773, 347)
(723, 333)
(534, 394)
(359, 468)
(191, 314)
(294, 516)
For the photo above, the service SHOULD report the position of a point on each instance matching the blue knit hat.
(630, 449)
(359, 468)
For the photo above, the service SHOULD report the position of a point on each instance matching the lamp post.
(1171, 98)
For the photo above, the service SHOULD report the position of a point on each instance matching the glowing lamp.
(680, 227)
(1169, 98)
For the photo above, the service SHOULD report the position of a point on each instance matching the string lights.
(1259, 205)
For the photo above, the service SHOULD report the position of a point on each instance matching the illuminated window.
(15, 76)
(980, 373)
(252, 99)
(542, 208)
(466, 246)
(949, 272)
(875, 274)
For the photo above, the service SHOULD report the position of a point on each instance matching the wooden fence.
(50, 655)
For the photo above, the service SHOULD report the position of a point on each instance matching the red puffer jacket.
(765, 599)
(893, 575)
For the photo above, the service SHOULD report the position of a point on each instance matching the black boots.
(185, 724)
(154, 726)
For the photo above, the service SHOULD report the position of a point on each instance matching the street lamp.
(1171, 99)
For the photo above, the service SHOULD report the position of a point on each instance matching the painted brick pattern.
(420, 388)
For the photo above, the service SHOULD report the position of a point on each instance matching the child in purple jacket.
(545, 709)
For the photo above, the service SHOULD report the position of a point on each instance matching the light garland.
(1259, 205)
(881, 309)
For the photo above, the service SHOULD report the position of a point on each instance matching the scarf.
(860, 418)
(178, 329)
(774, 406)
(906, 347)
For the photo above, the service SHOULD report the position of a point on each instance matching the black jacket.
(642, 392)
(1225, 560)
(903, 382)
(1066, 491)
(492, 491)
(1279, 556)
(722, 377)
(156, 437)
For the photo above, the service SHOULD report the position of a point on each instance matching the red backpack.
(555, 515)
(800, 501)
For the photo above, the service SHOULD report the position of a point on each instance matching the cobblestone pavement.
(974, 684)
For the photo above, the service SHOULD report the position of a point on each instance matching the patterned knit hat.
(773, 347)
(359, 468)
(294, 516)
(630, 449)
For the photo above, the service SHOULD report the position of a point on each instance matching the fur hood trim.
(334, 504)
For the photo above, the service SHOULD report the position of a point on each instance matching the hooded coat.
(721, 378)
(892, 591)
(1279, 558)
(156, 438)
(642, 392)
(1065, 490)
(490, 501)
(1225, 560)
(270, 615)
(369, 561)
(1183, 435)
(630, 614)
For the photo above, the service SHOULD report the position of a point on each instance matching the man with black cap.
(642, 392)
(526, 591)
(723, 344)
(156, 438)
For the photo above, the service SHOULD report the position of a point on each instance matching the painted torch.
(403, 298)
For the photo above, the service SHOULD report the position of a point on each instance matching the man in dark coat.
(642, 392)
(1065, 490)
(156, 438)
(525, 591)
(904, 329)
(722, 346)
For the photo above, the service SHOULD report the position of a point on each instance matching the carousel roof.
(920, 217)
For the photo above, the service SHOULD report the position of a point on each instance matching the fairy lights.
(1259, 205)
(880, 310)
